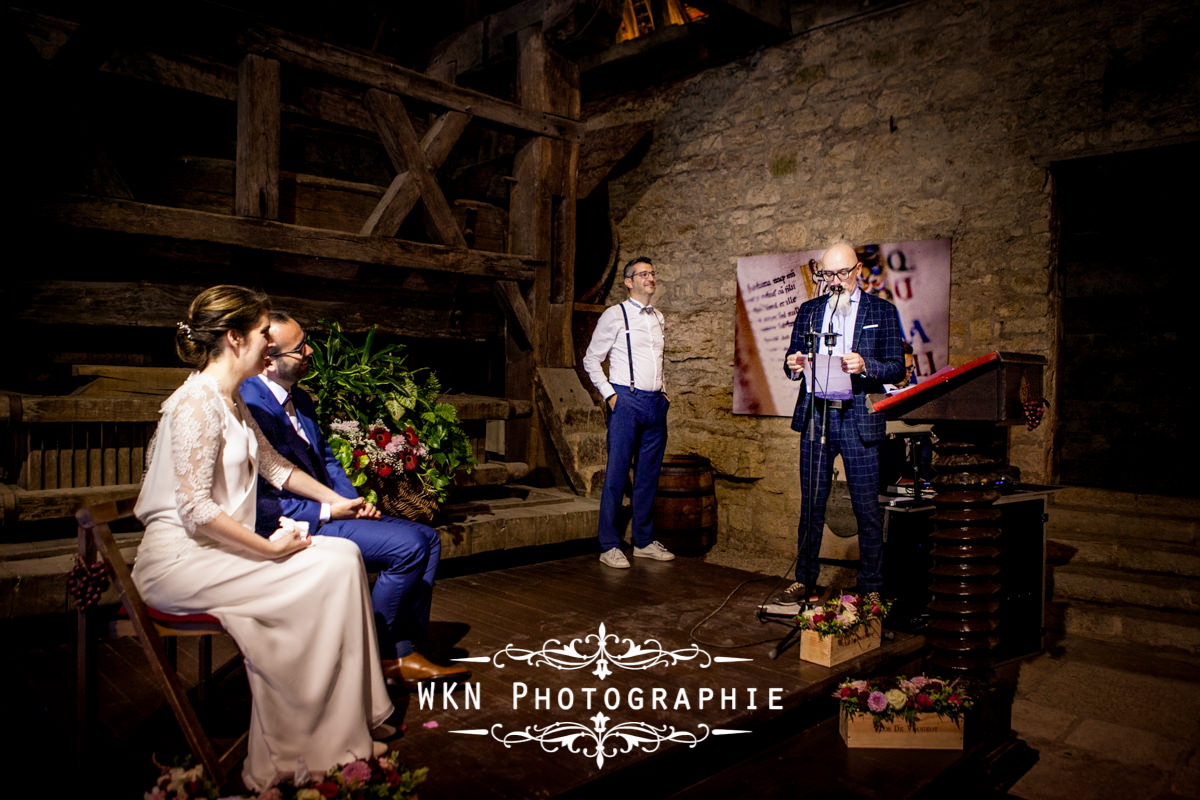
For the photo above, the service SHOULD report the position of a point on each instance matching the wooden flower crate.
(831, 650)
(931, 733)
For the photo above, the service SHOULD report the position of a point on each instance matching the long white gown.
(303, 622)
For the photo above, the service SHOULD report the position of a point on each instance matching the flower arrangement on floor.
(383, 778)
(385, 422)
(900, 698)
(841, 616)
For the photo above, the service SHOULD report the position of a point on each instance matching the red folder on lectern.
(988, 389)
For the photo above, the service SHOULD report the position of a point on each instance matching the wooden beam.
(477, 44)
(474, 406)
(256, 187)
(160, 306)
(16, 409)
(141, 219)
(511, 300)
(340, 62)
(402, 195)
(403, 147)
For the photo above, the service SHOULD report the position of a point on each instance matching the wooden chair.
(152, 628)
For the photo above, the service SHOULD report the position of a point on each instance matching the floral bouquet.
(383, 778)
(380, 461)
(841, 616)
(888, 699)
(375, 453)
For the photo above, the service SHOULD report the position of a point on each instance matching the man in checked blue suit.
(865, 332)
(405, 553)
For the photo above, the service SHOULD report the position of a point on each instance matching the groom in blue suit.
(405, 553)
(864, 331)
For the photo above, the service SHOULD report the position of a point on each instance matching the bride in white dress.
(298, 608)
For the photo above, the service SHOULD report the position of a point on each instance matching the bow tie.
(647, 309)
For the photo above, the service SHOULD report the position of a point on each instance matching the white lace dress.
(304, 622)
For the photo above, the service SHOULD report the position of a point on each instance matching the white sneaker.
(614, 558)
(654, 550)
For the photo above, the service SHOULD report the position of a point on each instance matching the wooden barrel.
(685, 507)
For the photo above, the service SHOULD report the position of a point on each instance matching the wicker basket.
(404, 497)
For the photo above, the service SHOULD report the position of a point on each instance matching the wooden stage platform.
(505, 617)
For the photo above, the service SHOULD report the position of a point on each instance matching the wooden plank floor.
(479, 615)
(569, 600)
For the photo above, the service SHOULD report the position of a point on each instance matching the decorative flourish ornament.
(648, 654)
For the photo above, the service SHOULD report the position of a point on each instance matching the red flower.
(818, 618)
(410, 462)
(327, 789)
(359, 453)
(924, 701)
(381, 436)
(847, 691)
(954, 700)
(383, 470)
(411, 435)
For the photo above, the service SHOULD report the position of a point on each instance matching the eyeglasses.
(643, 274)
(841, 274)
(298, 349)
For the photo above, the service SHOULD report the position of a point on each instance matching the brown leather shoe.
(416, 668)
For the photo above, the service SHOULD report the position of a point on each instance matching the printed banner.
(913, 275)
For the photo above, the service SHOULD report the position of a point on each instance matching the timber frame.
(418, 120)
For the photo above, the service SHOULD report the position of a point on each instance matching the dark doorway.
(1127, 364)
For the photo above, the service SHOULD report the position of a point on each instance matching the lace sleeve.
(272, 466)
(196, 434)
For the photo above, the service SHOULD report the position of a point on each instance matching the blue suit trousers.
(861, 460)
(406, 555)
(637, 427)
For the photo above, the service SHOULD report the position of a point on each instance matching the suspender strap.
(628, 346)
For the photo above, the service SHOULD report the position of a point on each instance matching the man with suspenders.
(630, 336)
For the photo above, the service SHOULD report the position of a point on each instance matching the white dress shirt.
(843, 326)
(646, 326)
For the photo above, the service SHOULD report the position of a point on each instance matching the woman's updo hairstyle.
(214, 311)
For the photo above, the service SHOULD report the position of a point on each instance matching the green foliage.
(365, 384)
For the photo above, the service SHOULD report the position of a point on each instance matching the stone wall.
(936, 119)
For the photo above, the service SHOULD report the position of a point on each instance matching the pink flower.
(924, 701)
(877, 702)
(356, 772)
(954, 700)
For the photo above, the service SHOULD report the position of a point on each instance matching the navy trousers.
(861, 460)
(406, 556)
(636, 427)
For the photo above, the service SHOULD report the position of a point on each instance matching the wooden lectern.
(982, 538)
